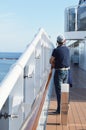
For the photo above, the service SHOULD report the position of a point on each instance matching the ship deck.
(77, 104)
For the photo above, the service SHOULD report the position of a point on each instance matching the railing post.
(64, 103)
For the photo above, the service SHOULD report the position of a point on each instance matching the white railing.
(23, 82)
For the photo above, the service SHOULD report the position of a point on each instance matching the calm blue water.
(9, 55)
(6, 61)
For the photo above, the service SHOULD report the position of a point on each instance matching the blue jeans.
(60, 76)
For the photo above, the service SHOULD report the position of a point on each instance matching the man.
(60, 60)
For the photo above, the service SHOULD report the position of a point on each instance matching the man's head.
(60, 39)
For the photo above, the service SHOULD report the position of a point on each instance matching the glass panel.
(82, 18)
(70, 19)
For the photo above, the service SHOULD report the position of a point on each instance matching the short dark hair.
(59, 42)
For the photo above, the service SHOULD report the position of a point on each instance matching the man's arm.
(52, 62)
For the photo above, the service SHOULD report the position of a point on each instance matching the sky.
(20, 20)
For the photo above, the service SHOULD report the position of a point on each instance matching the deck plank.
(65, 127)
(77, 105)
(59, 126)
(81, 114)
(51, 120)
(71, 118)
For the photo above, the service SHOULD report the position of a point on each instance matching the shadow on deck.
(77, 105)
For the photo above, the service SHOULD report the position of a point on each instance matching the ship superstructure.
(75, 32)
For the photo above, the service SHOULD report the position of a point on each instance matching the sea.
(7, 59)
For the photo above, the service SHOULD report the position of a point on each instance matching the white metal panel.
(8, 83)
(85, 56)
(81, 54)
(15, 104)
(76, 35)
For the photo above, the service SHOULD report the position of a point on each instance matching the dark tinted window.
(81, 1)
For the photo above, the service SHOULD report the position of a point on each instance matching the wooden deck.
(77, 105)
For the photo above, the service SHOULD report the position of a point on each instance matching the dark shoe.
(56, 112)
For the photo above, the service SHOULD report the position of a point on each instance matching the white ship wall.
(82, 54)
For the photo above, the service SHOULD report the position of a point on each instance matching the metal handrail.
(32, 120)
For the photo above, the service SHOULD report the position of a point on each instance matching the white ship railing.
(24, 81)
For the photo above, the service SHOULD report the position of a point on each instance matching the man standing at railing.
(60, 60)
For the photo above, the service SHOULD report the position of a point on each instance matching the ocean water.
(7, 59)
